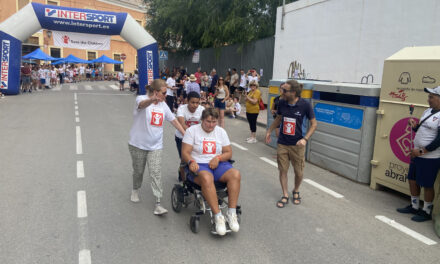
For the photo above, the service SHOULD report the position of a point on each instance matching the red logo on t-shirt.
(209, 147)
(156, 119)
(191, 123)
(289, 126)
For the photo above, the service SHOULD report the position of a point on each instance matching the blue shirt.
(193, 87)
(214, 82)
(292, 117)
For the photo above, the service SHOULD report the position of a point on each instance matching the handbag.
(260, 102)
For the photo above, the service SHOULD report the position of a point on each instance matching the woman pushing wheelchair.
(207, 151)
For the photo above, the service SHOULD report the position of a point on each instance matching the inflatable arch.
(34, 17)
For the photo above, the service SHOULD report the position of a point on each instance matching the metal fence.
(258, 54)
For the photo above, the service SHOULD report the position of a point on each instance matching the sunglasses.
(285, 91)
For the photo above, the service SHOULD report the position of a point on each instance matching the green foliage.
(193, 24)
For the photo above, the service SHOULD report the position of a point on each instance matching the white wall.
(343, 40)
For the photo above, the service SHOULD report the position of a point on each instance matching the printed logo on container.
(156, 119)
(289, 125)
(401, 139)
(6, 47)
(150, 66)
(80, 16)
(209, 146)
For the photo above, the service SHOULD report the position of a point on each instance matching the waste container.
(274, 91)
(343, 141)
(405, 75)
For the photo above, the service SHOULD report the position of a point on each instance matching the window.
(55, 3)
(91, 55)
(117, 67)
(22, 3)
(32, 40)
(55, 52)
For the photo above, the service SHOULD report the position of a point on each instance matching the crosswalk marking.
(73, 87)
(114, 87)
(88, 87)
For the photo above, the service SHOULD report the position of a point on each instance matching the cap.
(435, 90)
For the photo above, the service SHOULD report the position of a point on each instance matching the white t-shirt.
(205, 145)
(121, 76)
(427, 133)
(147, 130)
(243, 80)
(81, 70)
(41, 74)
(238, 108)
(252, 78)
(170, 83)
(191, 119)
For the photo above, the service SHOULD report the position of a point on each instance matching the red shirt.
(26, 70)
(198, 76)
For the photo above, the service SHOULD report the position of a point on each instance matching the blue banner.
(79, 20)
(339, 115)
(148, 63)
(10, 49)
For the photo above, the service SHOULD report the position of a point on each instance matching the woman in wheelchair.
(207, 150)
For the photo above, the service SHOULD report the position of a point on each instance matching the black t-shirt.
(292, 117)
(178, 84)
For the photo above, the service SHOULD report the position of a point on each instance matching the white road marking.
(78, 141)
(102, 87)
(324, 189)
(84, 257)
(75, 96)
(56, 88)
(271, 162)
(73, 87)
(76, 102)
(406, 230)
(80, 169)
(114, 87)
(76, 113)
(88, 87)
(238, 146)
(76, 107)
(122, 94)
(82, 204)
(77, 119)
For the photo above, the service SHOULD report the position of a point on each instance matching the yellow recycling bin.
(405, 75)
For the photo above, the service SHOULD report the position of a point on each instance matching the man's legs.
(283, 166)
(206, 181)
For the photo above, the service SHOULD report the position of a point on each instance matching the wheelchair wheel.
(176, 203)
(194, 224)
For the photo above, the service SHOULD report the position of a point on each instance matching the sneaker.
(252, 140)
(232, 221)
(421, 216)
(220, 225)
(159, 210)
(407, 210)
(135, 196)
(249, 138)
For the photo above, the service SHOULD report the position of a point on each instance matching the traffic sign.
(123, 56)
(163, 55)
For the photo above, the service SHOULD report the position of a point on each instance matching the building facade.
(43, 39)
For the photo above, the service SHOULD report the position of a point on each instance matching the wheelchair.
(188, 192)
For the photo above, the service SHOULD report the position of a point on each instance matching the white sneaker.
(252, 140)
(135, 196)
(232, 221)
(159, 210)
(249, 138)
(220, 225)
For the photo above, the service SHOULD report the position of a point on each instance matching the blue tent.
(71, 59)
(38, 54)
(105, 59)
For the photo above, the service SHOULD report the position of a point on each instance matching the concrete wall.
(344, 40)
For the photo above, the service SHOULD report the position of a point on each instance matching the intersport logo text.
(80, 16)
(6, 47)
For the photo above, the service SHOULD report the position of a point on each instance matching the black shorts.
(424, 171)
(232, 91)
(241, 89)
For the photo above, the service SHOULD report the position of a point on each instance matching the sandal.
(282, 202)
(297, 200)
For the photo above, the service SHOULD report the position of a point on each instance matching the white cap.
(435, 90)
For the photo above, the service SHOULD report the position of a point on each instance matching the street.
(65, 184)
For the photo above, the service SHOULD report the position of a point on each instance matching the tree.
(193, 24)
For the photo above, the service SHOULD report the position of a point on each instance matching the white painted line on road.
(85, 257)
(271, 162)
(76, 102)
(75, 97)
(77, 119)
(82, 204)
(78, 141)
(324, 189)
(406, 230)
(56, 88)
(238, 146)
(88, 87)
(101, 87)
(80, 169)
(76, 107)
(76, 113)
(125, 94)
(73, 87)
(114, 87)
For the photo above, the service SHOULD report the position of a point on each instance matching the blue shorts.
(43, 81)
(219, 104)
(424, 171)
(222, 168)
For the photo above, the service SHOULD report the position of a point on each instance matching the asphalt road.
(43, 219)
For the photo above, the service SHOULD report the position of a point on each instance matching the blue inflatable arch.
(34, 16)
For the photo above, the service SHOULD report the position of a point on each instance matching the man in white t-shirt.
(171, 87)
(206, 149)
(188, 115)
(121, 78)
(252, 76)
(82, 72)
(425, 162)
(146, 140)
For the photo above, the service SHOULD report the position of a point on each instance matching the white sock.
(232, 211)
(218, 214)
(427, 207)
(415, 202)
